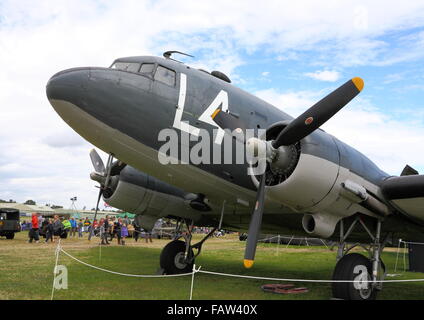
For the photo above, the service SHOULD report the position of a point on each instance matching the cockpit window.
(147, 68)
(165, 75)
(126, 66)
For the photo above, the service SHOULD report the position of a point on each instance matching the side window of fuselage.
(165, 75)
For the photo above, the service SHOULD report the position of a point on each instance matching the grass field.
(26, 271)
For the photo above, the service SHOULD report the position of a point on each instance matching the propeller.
(277, 151)
(319, 113)
(103, 176)
(97, 161)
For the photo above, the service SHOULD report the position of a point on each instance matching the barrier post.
(405, 247)
(278, 244)
(289, 242)
(57, 251)
(397, 255)
(192, 281)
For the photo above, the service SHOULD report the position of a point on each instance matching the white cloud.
(324, 75)
(39, 38)
(387, 141)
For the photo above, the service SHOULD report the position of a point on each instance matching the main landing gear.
(365, 273)
(178, 255)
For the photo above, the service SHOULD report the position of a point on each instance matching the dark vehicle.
(9, 222)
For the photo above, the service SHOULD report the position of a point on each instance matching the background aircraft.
(313, 182)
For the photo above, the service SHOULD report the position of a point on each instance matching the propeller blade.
(97, 162)
(319, 113)
(227, 120)
(95, 213)
(255, 225)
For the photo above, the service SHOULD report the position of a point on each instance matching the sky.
(289, 53)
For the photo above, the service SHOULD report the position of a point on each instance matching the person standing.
(104, 230)
(73, 227)
(57, 227)
(124, 233)
(148, 235)
(108, 231)
(137, 230)
(95, 226)
(33, 233)
(80, 228)
(117, 229)
(40, 222)
(49, 231)
(66, 226)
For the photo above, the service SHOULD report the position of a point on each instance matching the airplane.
(311, 183)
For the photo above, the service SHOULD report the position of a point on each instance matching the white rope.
(233, 275)
(125, 274)
(409, 242)
(266, 239)
(303, 280)
(286, 237)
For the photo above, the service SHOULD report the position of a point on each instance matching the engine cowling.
(139, 193)
(310, 176)
(311, 182)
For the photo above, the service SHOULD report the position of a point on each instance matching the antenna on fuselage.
(167, 54)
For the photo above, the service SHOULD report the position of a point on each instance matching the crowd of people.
(106, 229)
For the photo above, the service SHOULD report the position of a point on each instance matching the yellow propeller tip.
(248, 263)
(215, 113)
(358, 82)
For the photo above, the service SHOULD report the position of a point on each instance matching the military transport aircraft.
(312, 182)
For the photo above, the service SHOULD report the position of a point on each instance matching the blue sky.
(289, 53)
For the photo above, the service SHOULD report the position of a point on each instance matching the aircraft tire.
(345, 270)
(10, 236)
(170, 258)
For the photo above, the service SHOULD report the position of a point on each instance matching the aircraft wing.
(406, 193)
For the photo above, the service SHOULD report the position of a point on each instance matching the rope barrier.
(409, 242)
(285, 237)
(304, 280)
(126, 274)
(233, 275)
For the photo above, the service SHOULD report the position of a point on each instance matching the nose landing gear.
(178, 255)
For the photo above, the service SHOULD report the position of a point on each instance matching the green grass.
(26, 271)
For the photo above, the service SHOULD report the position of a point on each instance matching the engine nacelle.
(315, 170)
(139, 193)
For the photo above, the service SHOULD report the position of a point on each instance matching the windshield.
(126, 66)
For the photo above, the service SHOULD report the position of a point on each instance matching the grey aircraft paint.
(138, 106)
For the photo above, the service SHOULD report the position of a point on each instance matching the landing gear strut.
(178, 255)
(366, 273)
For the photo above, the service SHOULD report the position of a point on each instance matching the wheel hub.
(179, 260)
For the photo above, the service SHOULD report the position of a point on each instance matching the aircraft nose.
(66, 84)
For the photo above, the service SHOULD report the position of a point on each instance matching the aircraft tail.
(408, 171)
